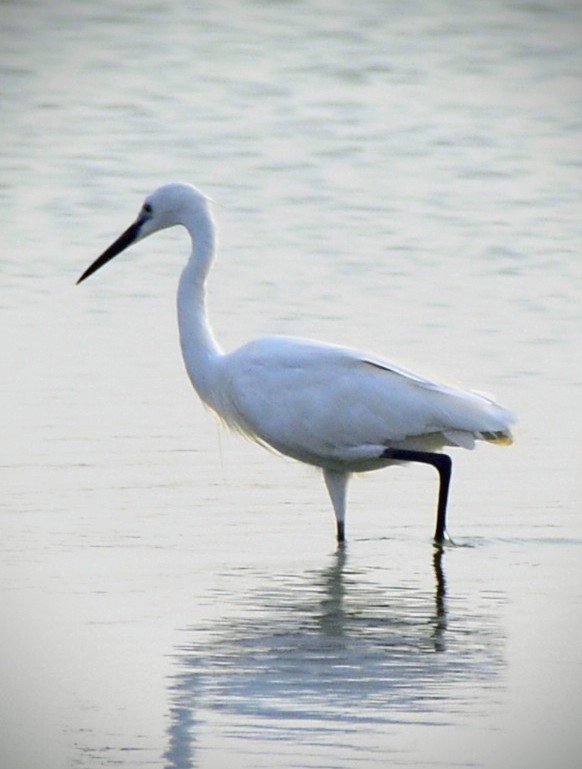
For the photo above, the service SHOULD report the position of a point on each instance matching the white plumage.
(329, 406)
(334, 407)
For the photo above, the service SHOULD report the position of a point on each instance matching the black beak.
(122, 242)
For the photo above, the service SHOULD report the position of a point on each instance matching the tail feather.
(499, 437)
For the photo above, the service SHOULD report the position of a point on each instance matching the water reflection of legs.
(440, 621)
(310, 647)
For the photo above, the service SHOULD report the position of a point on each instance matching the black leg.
(444, 466)
(341, 532)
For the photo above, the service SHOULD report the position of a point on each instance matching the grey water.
(400, 177)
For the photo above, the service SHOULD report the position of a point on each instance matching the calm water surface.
(404, 177)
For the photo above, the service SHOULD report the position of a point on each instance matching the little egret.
(338, 409)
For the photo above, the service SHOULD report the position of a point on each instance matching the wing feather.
(315, 400)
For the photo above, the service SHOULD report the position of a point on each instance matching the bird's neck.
(199, 348)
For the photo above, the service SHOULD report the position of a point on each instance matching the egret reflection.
(324, 652)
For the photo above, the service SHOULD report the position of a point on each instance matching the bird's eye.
(147, 209)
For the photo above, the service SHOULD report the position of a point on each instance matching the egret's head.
(168, 206)
(171, 204)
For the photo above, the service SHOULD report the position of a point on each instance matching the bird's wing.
(307, 398)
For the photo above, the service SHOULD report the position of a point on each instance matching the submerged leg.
(444, 466)
(337, 483)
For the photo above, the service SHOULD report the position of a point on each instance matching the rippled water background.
(403, 177)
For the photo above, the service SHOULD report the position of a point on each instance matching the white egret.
(338, 409)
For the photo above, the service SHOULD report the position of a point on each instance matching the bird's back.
(326, 404)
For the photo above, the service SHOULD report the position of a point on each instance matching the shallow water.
(402, 178)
